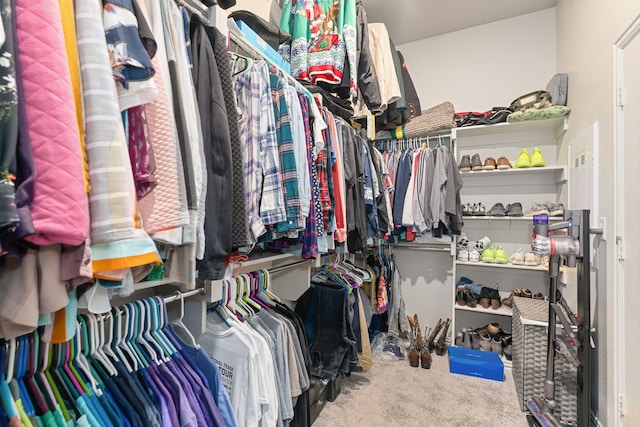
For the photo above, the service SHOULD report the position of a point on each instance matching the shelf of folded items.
(508, 266)
(557, 125)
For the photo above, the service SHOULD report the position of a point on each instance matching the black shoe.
(485, 297)
(470, 298)
(460, 296)
(495, 299)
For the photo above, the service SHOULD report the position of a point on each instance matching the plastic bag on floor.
(387, 347)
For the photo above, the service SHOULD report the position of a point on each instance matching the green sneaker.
(524, 161)
(489, 255)
(500, 256)
(537, 161)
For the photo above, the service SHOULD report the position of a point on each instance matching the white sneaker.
(482, 244)
(531, 259)
(516, 258)
(463, 254)
(474, 255)
(463, 242)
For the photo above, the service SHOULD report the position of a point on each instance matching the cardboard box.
(262, 47)
(475, 363)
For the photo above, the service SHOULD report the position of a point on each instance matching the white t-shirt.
(236, 358)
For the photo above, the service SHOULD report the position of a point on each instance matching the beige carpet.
(395, 394)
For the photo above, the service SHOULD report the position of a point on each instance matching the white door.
(628, 225)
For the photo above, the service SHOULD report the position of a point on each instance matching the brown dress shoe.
(489, 164)
(504, 163)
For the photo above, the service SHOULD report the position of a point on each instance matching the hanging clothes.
(323, 40)
(217, 150)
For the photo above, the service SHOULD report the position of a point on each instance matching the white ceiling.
(411, 20)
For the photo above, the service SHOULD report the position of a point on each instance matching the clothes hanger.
(41, 367)
(256, 291)
(163, 322)
(63, 396)
(180, 324)
(42, 402)
(250, 279)
(118, 345)
(220, 307)
(143, 337)
(152, 331)
(133, 331)
(101, 349)
(21, 370)
(88, 347)
(9, 404)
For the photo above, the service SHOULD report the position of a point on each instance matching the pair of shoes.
(491, 164)
(463, 254)
(525, 293)
(554, 209)
(472, 163)
(512, 209)
(537, 209)
(517, 258)
(490, 297)
(536, 160)
(531, 259)
(497, 210)
(465, 297)
(494, 255)
(465, 163)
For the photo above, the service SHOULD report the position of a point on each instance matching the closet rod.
(181, 295)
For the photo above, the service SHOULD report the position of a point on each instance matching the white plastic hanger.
(119, 344)
(180, 324)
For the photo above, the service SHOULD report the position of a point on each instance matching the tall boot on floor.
(412, 352)
(431, 343)
(425, 356)
(441, 347)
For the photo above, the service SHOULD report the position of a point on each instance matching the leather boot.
(441, 347)
(425, 356)
(412, 352)
(431, 343)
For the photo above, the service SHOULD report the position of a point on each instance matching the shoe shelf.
(501, 311)
(558, 173)
(507, 266)
(507, 218)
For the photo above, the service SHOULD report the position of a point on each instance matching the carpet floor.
(395, 394)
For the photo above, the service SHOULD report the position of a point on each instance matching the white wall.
(485, 66)
(586, 33)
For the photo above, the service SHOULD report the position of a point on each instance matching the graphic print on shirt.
(226, 372)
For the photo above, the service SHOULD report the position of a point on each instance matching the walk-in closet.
(274, 213)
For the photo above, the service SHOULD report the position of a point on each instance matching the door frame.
(620, 359)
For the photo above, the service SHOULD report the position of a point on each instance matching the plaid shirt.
(264, 198)
(288, 168)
